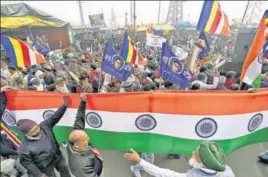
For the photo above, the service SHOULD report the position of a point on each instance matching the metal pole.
(131, 17)
(81, 13)
(159, 10)
(245, 12)
(134, 19)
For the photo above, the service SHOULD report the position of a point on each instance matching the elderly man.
(207, 161)
(39, 151)
(83, 159)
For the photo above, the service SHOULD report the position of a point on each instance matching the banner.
(172, 69)
(114, 65)
(160, 122)
(97, 20)
(154, 41)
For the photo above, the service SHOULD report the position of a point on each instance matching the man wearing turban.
(207, 160)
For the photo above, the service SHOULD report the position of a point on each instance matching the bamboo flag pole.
(195, 51)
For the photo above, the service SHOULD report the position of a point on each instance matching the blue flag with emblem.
(172, 69)
(113, 63)
(207, 47)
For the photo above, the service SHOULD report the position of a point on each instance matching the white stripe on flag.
(182, 126)
(254, 70)
(220, 25)
(32, 56)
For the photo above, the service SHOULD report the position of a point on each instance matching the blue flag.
(172, 69)
(40, 48)
(207, 48)
(113, 63)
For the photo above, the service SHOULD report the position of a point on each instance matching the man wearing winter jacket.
(83, 159)
(39, 151)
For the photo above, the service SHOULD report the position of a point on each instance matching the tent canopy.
(21, 14)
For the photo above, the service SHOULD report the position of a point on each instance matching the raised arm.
(53, 120)
(79, 123)
(4, 99)
(150, 168)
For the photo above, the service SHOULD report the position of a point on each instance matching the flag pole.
(134, 19)
(159, 10)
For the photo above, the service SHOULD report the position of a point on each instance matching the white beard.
(195, 164)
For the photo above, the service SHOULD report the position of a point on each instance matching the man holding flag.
(251, 72)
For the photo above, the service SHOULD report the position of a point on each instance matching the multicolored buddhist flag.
(20, 54)
(141, 59)
(176, 120)
(15, 141)
(251, 71)
(128, 51)
(213, 20)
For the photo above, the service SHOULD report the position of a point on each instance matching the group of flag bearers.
(212, 20)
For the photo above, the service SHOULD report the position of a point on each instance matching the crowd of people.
(80, 72)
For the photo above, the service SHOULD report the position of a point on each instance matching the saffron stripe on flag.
(154, 102)
(225, 31)
(255, 48)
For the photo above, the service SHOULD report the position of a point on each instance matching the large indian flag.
(251, 72)
(161, 122)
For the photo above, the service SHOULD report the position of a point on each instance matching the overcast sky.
(146, 11)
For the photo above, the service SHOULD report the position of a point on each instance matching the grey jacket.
(194, 172)
(85, 164)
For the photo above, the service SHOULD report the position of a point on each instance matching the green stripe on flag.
(146, 142)
(257, 82)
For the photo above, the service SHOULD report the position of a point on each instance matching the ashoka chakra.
(48, 113)
(206, 128)
(94, 120)
(255, 122)
(145, 122)
(9, 118)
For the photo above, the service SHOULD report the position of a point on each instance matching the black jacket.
(37, 155)
(85, 164)
(50, 82)
(6, 148)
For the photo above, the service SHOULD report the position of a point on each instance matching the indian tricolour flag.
(160, 122)
(251, 72)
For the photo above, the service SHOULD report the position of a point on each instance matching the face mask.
(195, 164)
